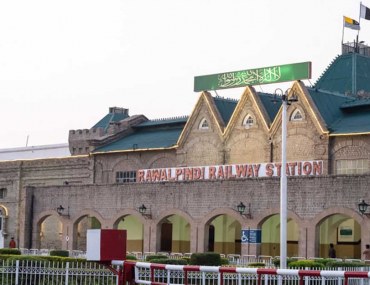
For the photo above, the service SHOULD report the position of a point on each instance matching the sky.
(64, 63)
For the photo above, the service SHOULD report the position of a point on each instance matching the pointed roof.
(115, 115)
(347, 74)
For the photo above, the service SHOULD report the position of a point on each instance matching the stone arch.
(319, 219)
(4, 210)
(131, 161)
(166, 158)
(80, 227)
(138, 229)
(190, 240)
(337, 210)
(222, 211)
(48, 233)
(349, 143)
(211, 227)
(261, 218)
(112, 223)
(295, 230)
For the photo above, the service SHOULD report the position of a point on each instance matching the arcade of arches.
(220, 233)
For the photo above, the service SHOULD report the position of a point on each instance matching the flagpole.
(343, 32)
(359, 22)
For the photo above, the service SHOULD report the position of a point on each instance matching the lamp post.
(283, 177)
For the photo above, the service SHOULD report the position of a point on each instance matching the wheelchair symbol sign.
(251, 236)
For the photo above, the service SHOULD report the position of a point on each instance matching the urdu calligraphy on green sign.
(257, 76)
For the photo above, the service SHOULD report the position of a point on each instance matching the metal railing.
(17, 272)
(147, 273)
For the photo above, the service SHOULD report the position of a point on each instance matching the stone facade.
(87, 182)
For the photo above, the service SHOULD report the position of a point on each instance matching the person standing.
(332, 252)
(366, 253)
(12, 243)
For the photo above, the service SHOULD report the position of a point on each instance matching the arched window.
(248, 121)
(204, 124)
(296, 115)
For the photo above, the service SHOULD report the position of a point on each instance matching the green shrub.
(206, 258)
(257, 264)
(157, 256)
(12, 251)
(323, 261)
(131, 257)
(276, 261)
(224, 261)
(169, 261)
(336, 264)
(62, 253)
(305, 264)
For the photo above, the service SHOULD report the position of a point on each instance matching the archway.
(80, 231)
(174, 234)
(222, 235)
(50, 231)
(270, 244)
(135, 232)
(343, 232)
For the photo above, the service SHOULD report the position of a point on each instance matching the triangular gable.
(306, 101)
(257, 105)
(206, 98)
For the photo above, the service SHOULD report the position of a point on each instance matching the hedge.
(206, 258)
(169, 261)
(157, 256)
(12, 251)
(63, 253)
(305, 264)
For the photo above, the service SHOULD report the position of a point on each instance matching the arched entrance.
(270, 244)
(343, 232)
(50, 231)
(222, 235)
(174, 234)
(80, 231)
(135, 232)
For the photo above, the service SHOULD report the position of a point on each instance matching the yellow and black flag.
(350, 23)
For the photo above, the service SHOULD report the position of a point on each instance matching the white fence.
(25, 272)
(147, 273)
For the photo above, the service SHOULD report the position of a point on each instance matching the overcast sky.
(64, 63)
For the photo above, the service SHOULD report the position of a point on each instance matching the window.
(296, 116)
(2, 193)
(248, 121)
(352, 166)
(203, 124)
(125, 176)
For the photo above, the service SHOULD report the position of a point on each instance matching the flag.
(364, 12)
(350, 23)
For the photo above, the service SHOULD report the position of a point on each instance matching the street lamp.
(362, 207)
(283, 178)
(142, 211)
(60, 211)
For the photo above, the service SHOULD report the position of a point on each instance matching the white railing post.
(16, 272)
(67, 273)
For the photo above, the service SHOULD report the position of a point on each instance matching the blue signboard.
(251, 236)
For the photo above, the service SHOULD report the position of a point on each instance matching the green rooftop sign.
(257, 76)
